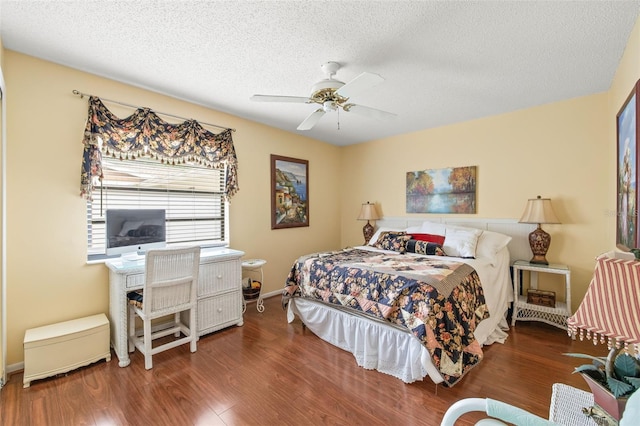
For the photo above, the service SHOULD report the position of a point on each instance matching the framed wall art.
(627, 172)
(289, 192)
(450, 190)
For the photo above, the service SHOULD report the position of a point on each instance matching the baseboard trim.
(13, 368)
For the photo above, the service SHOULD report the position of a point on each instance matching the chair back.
(171, 280)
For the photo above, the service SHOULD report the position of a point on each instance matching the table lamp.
(539, 211)
(610, 312)
(368, 212)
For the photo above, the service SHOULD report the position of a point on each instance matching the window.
(192, 195)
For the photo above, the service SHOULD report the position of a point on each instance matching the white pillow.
(129, 226)
(490, 243)
(461, 242)
(433, 228)
(414, 230)
(379, 231)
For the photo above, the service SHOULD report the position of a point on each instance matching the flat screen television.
(130, 232)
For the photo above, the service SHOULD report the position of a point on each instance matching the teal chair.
(501, 412)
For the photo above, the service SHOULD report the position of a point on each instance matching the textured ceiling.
(443, 61)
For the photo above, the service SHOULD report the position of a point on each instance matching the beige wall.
(50, 281)
(555, 150)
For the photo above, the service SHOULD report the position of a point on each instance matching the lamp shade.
(368, 212)
(539, 210)
(611, 307)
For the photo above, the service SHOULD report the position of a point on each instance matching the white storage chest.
(61, 347)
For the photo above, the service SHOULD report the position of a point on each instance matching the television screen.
(133, 230)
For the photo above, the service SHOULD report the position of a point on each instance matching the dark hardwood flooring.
(268, 372)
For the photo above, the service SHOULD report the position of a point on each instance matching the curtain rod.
(82, 95)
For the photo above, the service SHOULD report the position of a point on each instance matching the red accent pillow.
(431, 238)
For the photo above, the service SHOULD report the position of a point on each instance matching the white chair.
(170, 288)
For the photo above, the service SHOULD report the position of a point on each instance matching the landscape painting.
(449, 190)
(289, 192)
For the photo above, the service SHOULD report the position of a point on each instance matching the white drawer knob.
(219, 309)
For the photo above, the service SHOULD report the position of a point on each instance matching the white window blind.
(192, 195)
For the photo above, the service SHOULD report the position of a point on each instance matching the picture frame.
(450, 190)
(627, 133)
(289, 192)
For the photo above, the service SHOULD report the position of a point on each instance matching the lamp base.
(367, 231)
(538, 260)
(539, 241)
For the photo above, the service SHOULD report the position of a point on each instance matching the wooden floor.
(268, 372)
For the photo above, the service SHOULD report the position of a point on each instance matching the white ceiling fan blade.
(276, 98)
(311, 120)
(364, 81)
(369, 112)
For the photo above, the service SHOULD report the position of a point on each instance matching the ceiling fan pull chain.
(338, 118)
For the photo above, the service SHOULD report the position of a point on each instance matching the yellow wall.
(555, 150)
(48, 279)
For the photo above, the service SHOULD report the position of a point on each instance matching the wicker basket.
(252, 292)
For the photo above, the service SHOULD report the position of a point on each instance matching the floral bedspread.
(439, 300)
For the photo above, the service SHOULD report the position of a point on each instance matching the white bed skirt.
(393, 350)
(375, 346)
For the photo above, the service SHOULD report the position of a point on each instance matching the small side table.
(567, 404)
(524, 311)
(254, 266)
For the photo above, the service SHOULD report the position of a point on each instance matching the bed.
(402, 307)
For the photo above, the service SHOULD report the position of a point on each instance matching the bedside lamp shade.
(368, 212)
(539, 211)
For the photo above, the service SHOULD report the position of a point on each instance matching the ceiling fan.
(332, 95)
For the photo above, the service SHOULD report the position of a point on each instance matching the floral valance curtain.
(143, 133)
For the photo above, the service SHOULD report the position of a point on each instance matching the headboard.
(518, 247)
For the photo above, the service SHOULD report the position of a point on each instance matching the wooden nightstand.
(524, 311)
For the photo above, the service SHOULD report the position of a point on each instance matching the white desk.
(220, 301)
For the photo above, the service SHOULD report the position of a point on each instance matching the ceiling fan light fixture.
(332, 95)
(329, 106)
